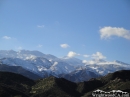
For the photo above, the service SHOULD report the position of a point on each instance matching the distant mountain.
(45, 65)
(80, 75)
(15, 85)
(19, 70)
(105, 67)
(72, 61)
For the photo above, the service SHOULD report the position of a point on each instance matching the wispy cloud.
(107, 32)
(40, 26)
(86, 56)
(98, 55)
(95, 58)
(6, 37)
(64, 45)
(89, 62)
(72, 54)
(39, 46)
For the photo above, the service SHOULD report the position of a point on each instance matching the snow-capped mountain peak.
(46, 64)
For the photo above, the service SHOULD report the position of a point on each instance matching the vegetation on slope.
(12, 85)
(119, 80)
(15, 85)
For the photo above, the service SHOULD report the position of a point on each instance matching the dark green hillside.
(15, 85)
(119, 80)
(54, 87)
(87, 86)
(12, 85)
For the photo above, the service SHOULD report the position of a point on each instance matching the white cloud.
(39, 45)
(107, 32)
(64, 45)
(89, 62)
(6, 37)
(98, 56)
(86, 56)
(72, 54)
(84, 61)
(40, 26)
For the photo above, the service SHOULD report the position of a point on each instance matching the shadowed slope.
(15, 85)
(119, 80)
(19, 70)
(12, 84)
(55, 87)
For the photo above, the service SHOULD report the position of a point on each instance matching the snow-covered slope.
(46, 65)
(61, 68)
(37, 62)
(40, 62)
(7, 53)
(19, 62)
(105, 67)
(73, 61)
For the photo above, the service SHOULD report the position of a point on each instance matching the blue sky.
(73, 28)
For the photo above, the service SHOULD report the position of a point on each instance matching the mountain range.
(35, 65)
